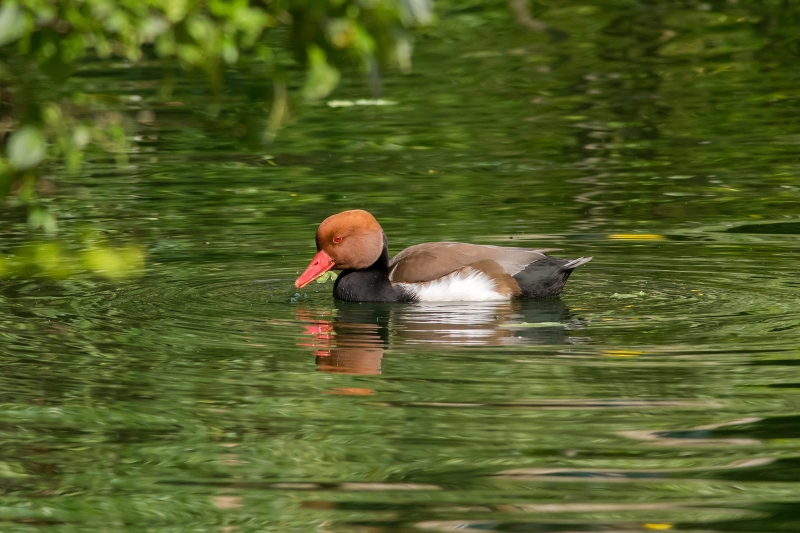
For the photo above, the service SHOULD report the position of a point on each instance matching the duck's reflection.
(351, 338)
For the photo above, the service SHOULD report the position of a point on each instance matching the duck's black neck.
(370, 284)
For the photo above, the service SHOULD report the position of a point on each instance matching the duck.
(354, 243)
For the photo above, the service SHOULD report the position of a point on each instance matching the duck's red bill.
(321, 263)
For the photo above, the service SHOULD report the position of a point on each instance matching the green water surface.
(659, 392)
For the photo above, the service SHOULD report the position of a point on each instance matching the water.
(658, 393)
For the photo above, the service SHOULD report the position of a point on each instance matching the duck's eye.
(337, 240)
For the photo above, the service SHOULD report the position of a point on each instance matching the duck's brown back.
(432, 260)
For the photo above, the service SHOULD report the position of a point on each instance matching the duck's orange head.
(351, 240)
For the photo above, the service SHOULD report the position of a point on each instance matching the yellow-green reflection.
(54, 261)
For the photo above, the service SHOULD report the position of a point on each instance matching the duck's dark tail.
(546, 277)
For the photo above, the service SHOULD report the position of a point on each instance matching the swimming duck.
(354, 242)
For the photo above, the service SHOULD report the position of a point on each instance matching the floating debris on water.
(363, 101)
(619, 296)
(532, 325)
(637, 236)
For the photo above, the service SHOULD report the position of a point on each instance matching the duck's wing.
(432, 260)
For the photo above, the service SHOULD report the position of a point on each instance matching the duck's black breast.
(371, 285)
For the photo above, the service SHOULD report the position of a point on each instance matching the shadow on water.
(772, 228)
(352, 338)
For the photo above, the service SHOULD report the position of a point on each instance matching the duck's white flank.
(463, 285)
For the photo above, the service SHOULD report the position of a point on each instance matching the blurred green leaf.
(327, 276)
(26, 147)
(81, 136)
(50, 259)
(12, 22)
(322, 78)
(114, 263)
(12, 471)
(39, 218)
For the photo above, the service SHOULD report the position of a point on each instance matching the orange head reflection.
(343, 345)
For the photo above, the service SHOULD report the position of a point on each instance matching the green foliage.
(26, 147)
(327, 276)
(43, 42)
(322, 78)
(53, 260)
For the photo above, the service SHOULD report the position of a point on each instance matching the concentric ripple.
(624, 298)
